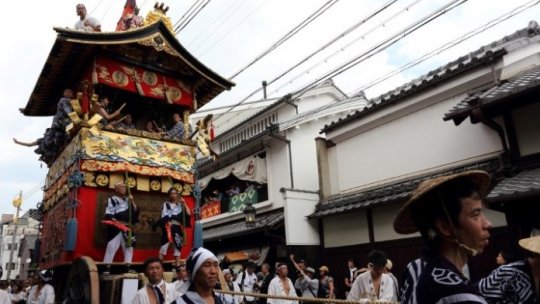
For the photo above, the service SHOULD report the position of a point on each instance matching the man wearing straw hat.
(517, 282)
(448, 213)
(203, 268)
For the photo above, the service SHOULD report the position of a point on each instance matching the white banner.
(249, 169)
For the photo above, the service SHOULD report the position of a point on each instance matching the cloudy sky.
(227, 35)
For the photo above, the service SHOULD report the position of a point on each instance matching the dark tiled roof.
(394, 193)
(270, 220)
(524, 184)
(524, 82)
(74, 48)
(472, 60)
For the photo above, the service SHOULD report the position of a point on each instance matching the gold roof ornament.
(159, 13)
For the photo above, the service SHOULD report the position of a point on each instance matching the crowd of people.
(35, 290)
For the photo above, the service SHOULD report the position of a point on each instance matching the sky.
(225, 36)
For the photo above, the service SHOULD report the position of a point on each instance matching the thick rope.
(314, 300)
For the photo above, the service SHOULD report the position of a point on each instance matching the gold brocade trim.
(159, 44)
(96, 165)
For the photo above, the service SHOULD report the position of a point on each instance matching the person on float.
(120, 210)
(203, 268)
(86, 23)
(448, 213)
(156, 291)
(175, 217)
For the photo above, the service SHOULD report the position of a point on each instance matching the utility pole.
(17, 202)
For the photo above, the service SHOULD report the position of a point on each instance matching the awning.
(138, 80)
(497, 98)
(265, 221)
(249, 169)
(390, 194)
(525, 184)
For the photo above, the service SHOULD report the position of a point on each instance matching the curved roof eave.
(209, 84)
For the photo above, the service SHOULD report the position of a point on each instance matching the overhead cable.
(191, 16)
(234, 27)
(289, 34)
(332, 41)
(517, 10)
(380, 46)
(360, 37)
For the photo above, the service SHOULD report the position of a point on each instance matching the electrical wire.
(448, 45)
(380, 46)
(191, 8)
(341, 35)
(192, 17)
(215, 20)
(218, 25)
(327, 5)
(106, 11)
(96, 7)
(341, 49)
(509, 14)
(234, 27)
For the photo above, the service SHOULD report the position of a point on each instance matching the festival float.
(144, 72)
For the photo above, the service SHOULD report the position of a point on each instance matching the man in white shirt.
(247, 280)
(182, 280)
(281, 285)
(86, 23)
(374, 284)
(156, 291)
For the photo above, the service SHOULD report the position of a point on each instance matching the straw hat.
(531, 244)
(404, 223)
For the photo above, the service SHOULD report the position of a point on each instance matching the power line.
(218, 26)
(511, 13)
(189, 10)
(332, 41)
(106, 11)
(515, 11)
(290, 34)
(234, 27)
(191, 16)
(380, 46)
(360, 37)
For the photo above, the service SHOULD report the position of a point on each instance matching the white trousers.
(163, 250)
(112, 247)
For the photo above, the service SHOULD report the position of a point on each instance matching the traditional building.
(371, 160)
(267, 159)
(13, 254)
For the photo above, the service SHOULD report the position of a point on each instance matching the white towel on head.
(196, 259)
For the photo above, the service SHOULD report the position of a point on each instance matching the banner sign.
(239, 201)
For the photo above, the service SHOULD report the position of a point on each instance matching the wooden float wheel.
(82, 284)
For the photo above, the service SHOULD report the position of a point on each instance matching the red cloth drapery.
(139, 80)
(87, 235)
(129, 7)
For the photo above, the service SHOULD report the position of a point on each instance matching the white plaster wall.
(346, 229)
(333, 169)
(413, 143)
(496, 218)
(383, 220)
(298, 230)
(277, 166)
(527, 123)
(304, 154)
